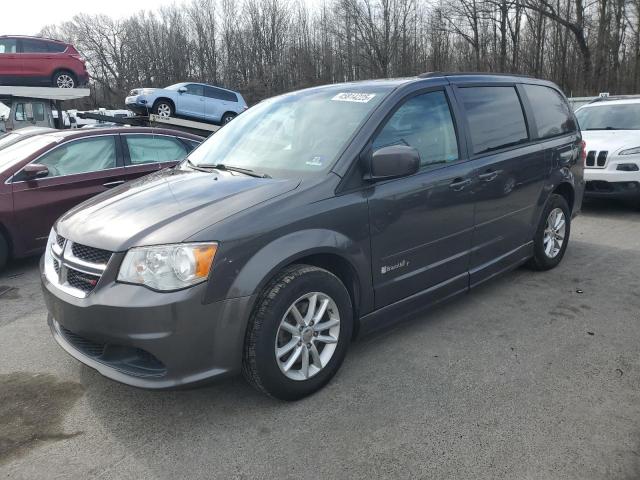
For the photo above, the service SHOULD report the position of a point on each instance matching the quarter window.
(552, 114)
(423, 122)
(154, 149)
(81, 156)
(220, 94)
(495, 117)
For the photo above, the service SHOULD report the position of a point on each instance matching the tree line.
(266, 47)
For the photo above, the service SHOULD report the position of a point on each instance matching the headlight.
(630, 151)
(168, 267)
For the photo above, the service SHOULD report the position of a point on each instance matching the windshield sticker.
(316, 161)
(353, 97)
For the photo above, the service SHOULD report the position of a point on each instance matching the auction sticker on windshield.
(353, 97)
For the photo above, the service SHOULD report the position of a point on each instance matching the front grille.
(74, 267)
(81, 281)
(91, 254)
(596, 159)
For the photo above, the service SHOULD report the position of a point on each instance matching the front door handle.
(113, 184)
(459, 183)
(488, 176)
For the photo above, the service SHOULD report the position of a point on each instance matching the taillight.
(583, 152)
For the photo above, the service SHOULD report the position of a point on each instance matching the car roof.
(31, 37)
(58, 135)
(206, 85)
(604, 102)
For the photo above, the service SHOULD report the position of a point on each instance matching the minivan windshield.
(610, 117)
(297, 133)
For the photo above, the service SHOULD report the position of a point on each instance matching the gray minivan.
(314, 217)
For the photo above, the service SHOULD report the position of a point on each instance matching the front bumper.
(138, 104)
(149, 339)
(609, 182)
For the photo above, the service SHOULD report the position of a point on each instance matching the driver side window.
(423, 122)
(81, 156)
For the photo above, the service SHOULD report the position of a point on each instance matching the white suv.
(611, 132)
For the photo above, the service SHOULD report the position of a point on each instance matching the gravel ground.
(533, 375)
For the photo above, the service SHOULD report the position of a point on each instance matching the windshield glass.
(298, 133)
(8, 138)
(21, 150)
(174, 87)
(610, 117)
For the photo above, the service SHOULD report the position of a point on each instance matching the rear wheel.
(298, 334)
(227, 117)
(163, 108)
(4, 252)
(64, 79)
(552, 236)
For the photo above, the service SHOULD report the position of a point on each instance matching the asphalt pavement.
(531, 376)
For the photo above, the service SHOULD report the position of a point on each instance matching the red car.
(40, 62)
(44, 176)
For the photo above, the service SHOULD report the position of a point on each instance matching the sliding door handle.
(459, 183)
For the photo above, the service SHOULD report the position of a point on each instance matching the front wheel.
(552, 236)
(163, 109)
(298, 334)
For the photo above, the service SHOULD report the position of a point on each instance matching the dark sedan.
(43, 176)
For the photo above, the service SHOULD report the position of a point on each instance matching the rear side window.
(34, 46)
(81, 156)
(8, 45)
(423, 122)
(495, 117)
(220, 94)
(552, 114)
(154, 149)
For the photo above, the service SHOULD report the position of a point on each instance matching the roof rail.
(456, 74)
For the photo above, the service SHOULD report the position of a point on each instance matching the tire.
(163, 108)
(547, 255)
(295, 286)
(4, 252)
(64, 79)
(227, 117)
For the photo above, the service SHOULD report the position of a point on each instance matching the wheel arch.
(566, 190)
(4, 232)
(326, 249)
(166, 99)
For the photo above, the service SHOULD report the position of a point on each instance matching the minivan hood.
(165, 207)
(610, 140)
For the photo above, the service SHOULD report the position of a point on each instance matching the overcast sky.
(27, 17)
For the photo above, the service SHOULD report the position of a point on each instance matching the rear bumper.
(148, 339)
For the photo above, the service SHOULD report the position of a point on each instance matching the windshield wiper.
(231, 168)
(197, 167)
(606, 128)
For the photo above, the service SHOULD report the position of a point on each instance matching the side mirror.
(35, 170)
(393, 162)
(182, 89)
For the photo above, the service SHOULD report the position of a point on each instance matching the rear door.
(145, 153)
(36, 60)
(78, 170)
(10, 65)
(218, 102)
(421, 225)
(192, 102)
(510, 174)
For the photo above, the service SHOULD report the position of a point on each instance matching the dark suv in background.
(313, 217)
(34, 61)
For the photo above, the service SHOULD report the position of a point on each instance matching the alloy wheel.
(65, 81)
(307, 336)
(554, 233)
(164, 110)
